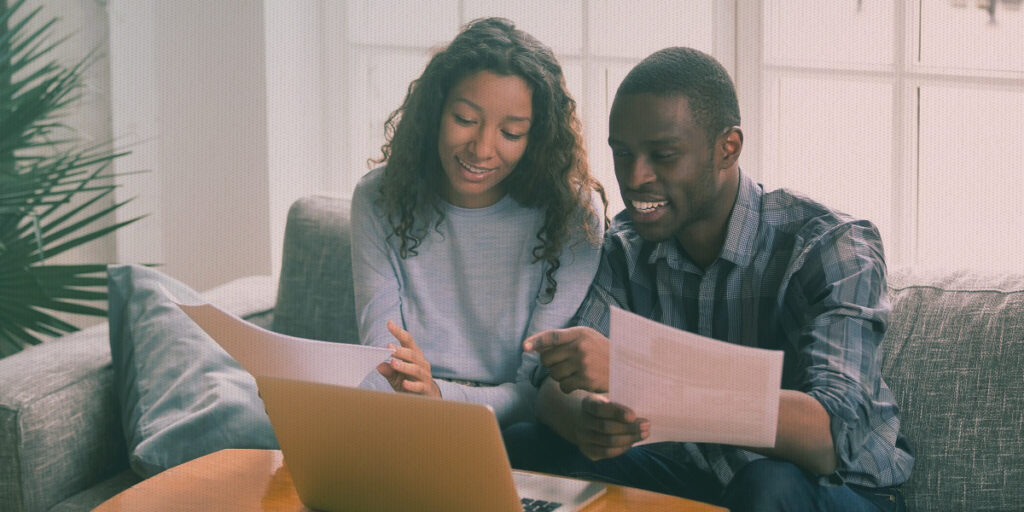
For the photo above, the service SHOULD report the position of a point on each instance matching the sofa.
(953, 355)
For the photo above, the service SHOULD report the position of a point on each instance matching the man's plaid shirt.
(794, 276)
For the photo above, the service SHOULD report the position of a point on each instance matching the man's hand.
(577, 357)
(607, 429)
(408, 370)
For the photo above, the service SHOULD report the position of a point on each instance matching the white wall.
(189, 93)
(297, 92)
(223, 102)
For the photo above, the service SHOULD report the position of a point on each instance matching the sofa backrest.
(314, 297)
(954, 357)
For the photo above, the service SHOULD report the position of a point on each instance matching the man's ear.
(729, 146)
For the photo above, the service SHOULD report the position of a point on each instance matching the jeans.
(765, 484)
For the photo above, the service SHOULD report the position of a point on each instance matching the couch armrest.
(60, 427)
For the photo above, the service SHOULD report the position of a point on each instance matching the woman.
(482, 226)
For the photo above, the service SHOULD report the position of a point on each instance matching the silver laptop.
(364, 450)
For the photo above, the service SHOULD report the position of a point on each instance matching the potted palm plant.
(55, 194)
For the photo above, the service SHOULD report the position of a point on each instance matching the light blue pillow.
(181, 395)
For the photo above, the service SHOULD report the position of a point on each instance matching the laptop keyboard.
(538, 505)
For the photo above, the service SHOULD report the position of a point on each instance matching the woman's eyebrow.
(478, 108)
(472, 105)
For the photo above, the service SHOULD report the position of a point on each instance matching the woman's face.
(485, 126)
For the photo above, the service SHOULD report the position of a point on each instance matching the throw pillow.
(181, 396)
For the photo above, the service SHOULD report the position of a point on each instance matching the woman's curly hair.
(552, 174)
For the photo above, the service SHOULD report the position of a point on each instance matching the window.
(905, 113)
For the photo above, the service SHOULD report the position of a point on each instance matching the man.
(702, 247)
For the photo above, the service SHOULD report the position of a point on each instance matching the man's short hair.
(693, 74)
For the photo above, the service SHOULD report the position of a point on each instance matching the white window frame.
(906, 76)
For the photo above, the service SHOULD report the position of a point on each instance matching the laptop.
(363, 450)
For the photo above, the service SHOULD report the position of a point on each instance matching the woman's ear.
(729, 146)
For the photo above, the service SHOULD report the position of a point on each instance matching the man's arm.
(803, 435)
(841, 283)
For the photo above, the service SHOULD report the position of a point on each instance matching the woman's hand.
(408, 370)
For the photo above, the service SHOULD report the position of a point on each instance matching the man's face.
(663, 162)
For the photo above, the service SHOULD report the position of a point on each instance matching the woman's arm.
(375, 277)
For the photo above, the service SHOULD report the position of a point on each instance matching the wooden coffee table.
(258, 480)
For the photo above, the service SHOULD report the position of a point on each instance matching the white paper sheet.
(693, 388)
(266, 353)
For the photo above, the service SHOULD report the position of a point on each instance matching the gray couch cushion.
(954, 356)
(315, 297)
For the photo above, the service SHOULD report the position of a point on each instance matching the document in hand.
(266, 353)
(693, 388)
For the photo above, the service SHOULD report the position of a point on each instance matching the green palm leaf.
(50, 188)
